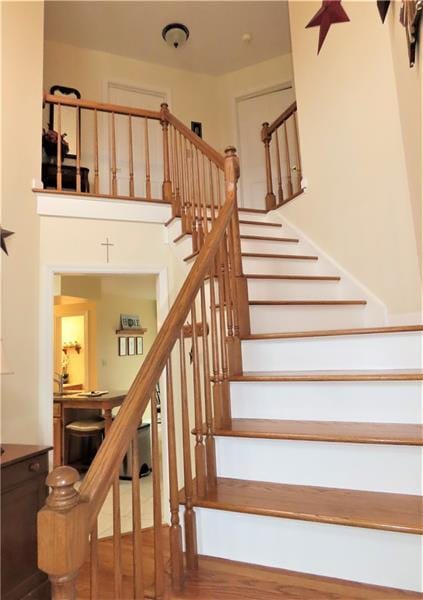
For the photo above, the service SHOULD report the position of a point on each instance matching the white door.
(138, 98)
(252, 112)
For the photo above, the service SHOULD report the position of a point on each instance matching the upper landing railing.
(282, 156)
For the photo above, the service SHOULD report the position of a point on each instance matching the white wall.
(22, 75)
(357, 207)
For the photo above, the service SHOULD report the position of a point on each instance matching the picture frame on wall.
(131, 346)
(140, 345)
(122, 346)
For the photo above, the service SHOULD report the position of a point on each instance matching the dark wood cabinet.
(23, 492)
(49, 177)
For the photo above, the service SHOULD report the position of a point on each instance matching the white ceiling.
(133, 29)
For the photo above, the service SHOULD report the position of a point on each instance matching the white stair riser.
(369, 556)
(271, 247)
(372, 351)
(292, 289)
(271, 319)
(282, 266)
(364, 401)
(261, 229)
(381, 468)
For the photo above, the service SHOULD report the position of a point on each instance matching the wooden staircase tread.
(306, 302)
(409, 434)
(344, 375)
(231, 580)
(333, 332)
(354, 508)
(268, 238)
(293, 277)
(272, 255)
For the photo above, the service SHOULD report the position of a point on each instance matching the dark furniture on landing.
(49, 177)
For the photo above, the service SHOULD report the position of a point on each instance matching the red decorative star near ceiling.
(329, 13)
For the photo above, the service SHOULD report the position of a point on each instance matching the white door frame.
(46, 339)
(248, 95)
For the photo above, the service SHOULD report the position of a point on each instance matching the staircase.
(319, 468)
(293, 423)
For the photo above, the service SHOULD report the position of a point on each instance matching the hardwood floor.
(218, 579)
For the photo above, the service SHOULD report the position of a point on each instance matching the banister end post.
(63, 533)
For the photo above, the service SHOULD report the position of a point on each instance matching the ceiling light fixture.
(175, 34)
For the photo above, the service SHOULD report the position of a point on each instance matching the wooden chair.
(90, 430)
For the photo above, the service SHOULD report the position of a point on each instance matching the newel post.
(242, 325)
(167, 184)
(63, 533)
(266, 138)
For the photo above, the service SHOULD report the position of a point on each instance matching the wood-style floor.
(218, 579)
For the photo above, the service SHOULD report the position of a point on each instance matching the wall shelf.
(130, 331)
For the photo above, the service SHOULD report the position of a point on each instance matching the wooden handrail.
(117, 109)
(282, 118)
(103, 468)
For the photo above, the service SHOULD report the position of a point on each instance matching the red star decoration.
(4, 233)
(329, 13)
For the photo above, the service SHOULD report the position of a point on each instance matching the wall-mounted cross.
(108, 245)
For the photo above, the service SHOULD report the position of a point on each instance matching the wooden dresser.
(23, 492)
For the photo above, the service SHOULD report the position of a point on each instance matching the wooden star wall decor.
(330, 12)
(4, 233)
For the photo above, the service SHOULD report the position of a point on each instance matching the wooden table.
(105, 403)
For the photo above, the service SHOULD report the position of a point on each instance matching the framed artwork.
(131, 346)
(139, 345)
(197, 128)
(130, 321)
(122, 346)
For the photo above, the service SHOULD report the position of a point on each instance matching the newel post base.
(270, 201)
(63, 537)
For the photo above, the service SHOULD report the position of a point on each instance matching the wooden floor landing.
(218, 579)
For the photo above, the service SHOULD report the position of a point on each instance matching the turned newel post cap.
(230, 151)
(63, 494)
(231, 163)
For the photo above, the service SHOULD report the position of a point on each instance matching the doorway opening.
(103, 327)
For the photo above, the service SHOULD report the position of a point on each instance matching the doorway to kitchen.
(103, 325)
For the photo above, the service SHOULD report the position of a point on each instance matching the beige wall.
(358, 205)
(192, 96)
(22, 76)
(236, 84)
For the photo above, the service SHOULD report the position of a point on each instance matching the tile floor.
(105, 518)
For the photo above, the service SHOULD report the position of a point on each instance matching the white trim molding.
(106, 209)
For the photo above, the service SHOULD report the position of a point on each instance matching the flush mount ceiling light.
(175, 34)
